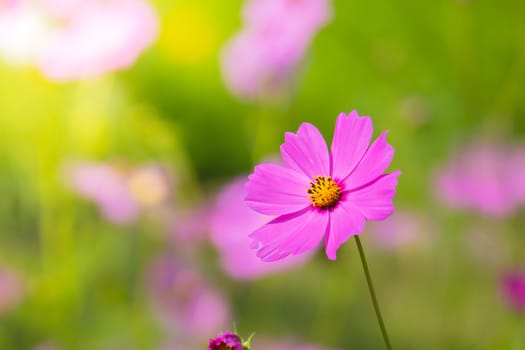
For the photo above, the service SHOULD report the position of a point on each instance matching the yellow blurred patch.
(188, 35)
(149, 186)
(88, 122)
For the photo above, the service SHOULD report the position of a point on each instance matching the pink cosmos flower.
(320, 193)
(513, 290)
(226, 341)
(484, 177)
(262, 57)
(231, 222)
(183, 301)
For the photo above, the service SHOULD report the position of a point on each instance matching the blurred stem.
(263, 137)
(259, 135)
(372, 292)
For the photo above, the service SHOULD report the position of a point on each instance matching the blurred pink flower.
(11, 290)
(76, 39)
(484, 177)
(261, 58)
(321, 193)
(183, 301)
(120, 195)
(517, 173)
(107, 188)
(23, 31)
(63, 8)
(232, 220)
(402, 229)
(98, 37)
(305, 15)
(513, 290)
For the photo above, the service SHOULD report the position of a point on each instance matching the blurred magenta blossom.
(231, 223)
(183, 301)
(76, 39)
(260, 60)
(11, 290)
(485, 177)
(321, 193)
(513, 290)
(120, 194)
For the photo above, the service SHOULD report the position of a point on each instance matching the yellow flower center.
(324, 193)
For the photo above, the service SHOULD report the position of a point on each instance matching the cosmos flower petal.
(231, 222)
(352, 137)
(345, 220)
(276, 190)
(374, 200)
(290, 234)
(375, 161)
(306, 151)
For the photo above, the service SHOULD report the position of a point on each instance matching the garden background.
(115, 227)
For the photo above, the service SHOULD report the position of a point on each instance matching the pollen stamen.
(324, 192)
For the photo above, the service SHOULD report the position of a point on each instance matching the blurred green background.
(436, 74)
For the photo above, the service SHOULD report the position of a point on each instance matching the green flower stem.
(372, 292)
